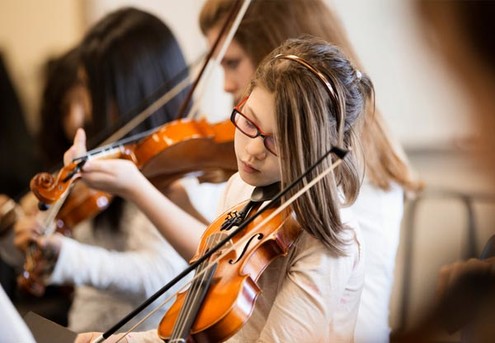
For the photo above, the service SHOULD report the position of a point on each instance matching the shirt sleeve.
(147, 263)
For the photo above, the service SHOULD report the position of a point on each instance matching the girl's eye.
(231, 64)
(249, 124)
(246, 125)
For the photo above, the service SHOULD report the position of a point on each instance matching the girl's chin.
(254, 180)
(248, 178)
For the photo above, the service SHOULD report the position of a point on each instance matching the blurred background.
(422, 103)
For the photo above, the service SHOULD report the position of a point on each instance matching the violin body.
(232, 293)
(83, 203)
(188, 146)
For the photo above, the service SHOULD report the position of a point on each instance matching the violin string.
(242, 241)
(193, 294)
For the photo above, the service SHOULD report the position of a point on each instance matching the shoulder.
(309, 247)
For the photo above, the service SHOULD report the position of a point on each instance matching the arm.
(449, 274)
(145, 263)
(121, 177)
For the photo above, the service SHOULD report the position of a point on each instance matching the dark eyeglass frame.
(259, 133)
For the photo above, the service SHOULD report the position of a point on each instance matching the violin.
(217, 304)
(176, 149)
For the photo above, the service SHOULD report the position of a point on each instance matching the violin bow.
(233, 20)
(230, 20)
(209, 57)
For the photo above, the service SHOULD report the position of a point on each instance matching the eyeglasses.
(250, 129)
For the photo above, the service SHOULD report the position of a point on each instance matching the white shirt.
(379, 214)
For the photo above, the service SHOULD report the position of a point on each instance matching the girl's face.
(237, 66)
(257, 165)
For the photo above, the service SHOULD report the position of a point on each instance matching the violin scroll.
(48, 188)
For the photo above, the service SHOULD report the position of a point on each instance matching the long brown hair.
(268, 23)
(308, 116)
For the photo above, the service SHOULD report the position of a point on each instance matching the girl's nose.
(229, 84)
(256, 148)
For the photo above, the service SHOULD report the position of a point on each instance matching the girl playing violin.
(305, 98)
(379, 206)
(118, 259)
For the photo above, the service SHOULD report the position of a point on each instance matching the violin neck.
(193, 302)
(114, 151)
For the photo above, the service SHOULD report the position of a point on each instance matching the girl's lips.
(248, 168)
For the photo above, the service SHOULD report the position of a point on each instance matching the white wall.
(30, 32)
(421, 103)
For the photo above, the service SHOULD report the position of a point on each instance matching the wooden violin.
(217, 304)
(178, 148)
